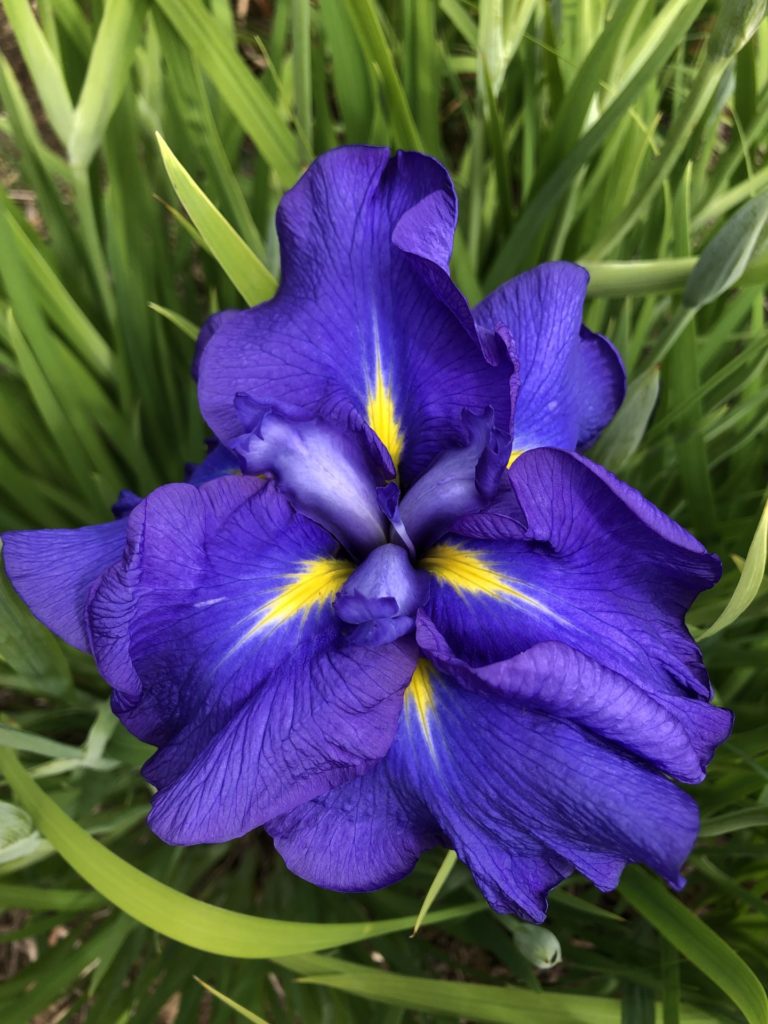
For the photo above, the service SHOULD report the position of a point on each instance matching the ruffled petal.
(323, 715)
(528, 769)
(366, 328)
(571, 380)
(675, 735)
(216, 586)
(526, 797)
(363, 835)
(53, 571)
(217, 634)
(597, 567)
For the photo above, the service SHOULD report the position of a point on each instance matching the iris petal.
(676, 735)
(330, 474)
(530, 770)
(528, 797)
(595, 568)
(53, 571)
(367, 326)
(362, 835)
(460, 481)
(325, 714)
(217, 634)
(199, 609)
(571, 380)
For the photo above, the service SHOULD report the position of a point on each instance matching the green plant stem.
(302, 73)
(619, 278)
(92, 241)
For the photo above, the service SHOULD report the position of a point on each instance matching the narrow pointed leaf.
(241, 1011)
(239, 262)
(111, 58)
(174, 914)
(727, 255)
(433, 892)
(749, 582)
(697, 942)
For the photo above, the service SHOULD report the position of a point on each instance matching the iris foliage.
(144, 148)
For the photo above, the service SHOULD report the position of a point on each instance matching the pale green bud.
(539, 946)
(18, 835)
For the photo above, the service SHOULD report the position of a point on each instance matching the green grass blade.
(697, 942)
(749, 582)
(481, 1003)
(367, 20)
(302, 72)
(241, 1011)
(108, 68)
(241, 265)
(43, 67)
(449, 862)
(539, 211)
(32, 897)
(185, 326)
(61, 307)
(350, 71)
(623, 436)
(172, 913)
(726, 256)
(244, 95)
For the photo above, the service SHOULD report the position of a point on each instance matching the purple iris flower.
(417, 616)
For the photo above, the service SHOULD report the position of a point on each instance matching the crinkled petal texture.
(54, 570)
(597, 567)
(217, 634)
(540, 765)
(571, 380)
(366, 329)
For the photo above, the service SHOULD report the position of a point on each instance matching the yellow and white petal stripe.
(420, 700)
(381, 415)
(314, 584)
(473, 572)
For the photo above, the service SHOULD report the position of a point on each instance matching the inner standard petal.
(331, 475)
(459, 482)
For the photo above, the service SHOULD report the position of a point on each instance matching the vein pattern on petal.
(420, 698)
(316, 582)
(471, 572)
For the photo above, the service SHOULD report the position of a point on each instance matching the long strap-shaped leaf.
(42, 65)
(697, 942)
(238, 261)
(677, 16)
(176, 915)
(490, 1004)
(242, 92)
(111, 58)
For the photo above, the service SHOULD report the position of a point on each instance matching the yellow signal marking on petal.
(317, 581)
(471, 572)
(380, 412)
(514, 456)
(419, 695)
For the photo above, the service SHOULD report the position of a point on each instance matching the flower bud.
(18, 835)
(539, 946)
